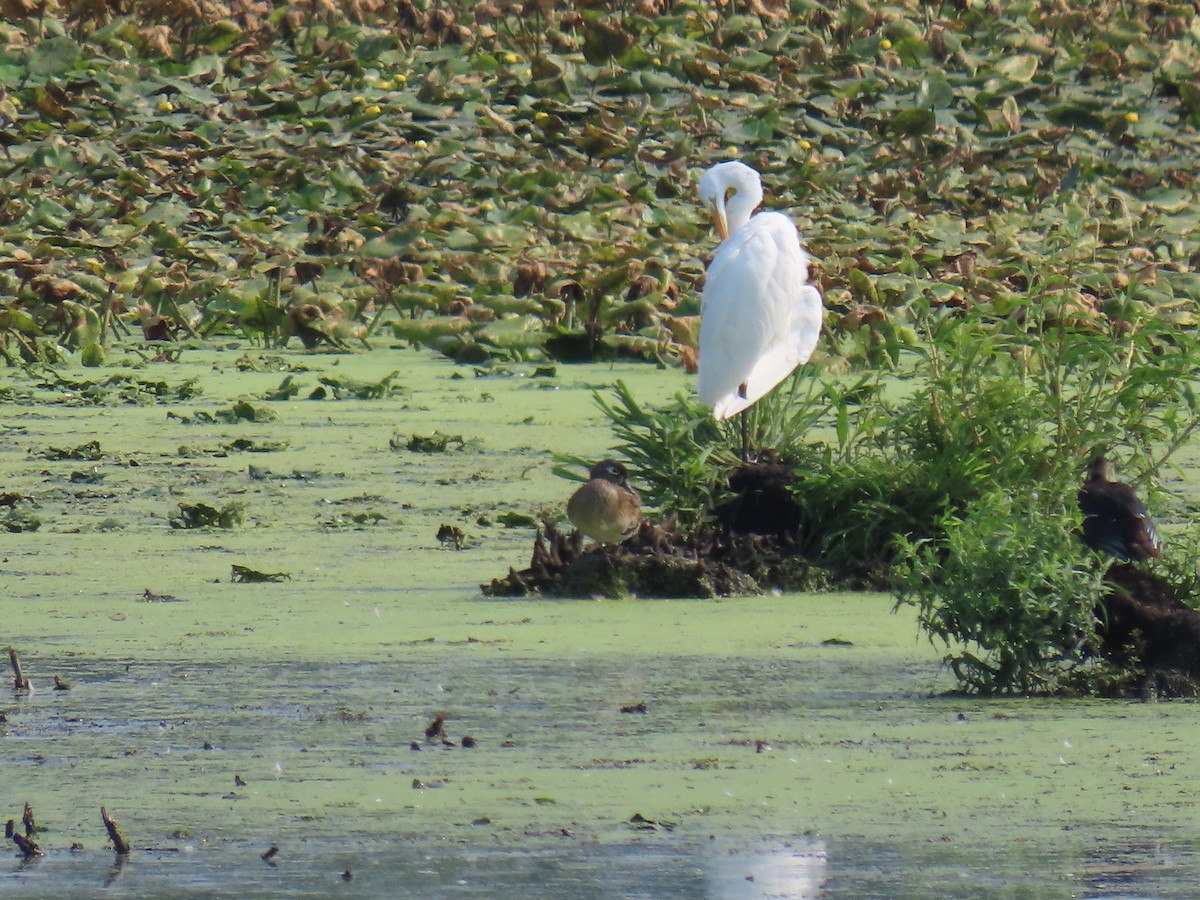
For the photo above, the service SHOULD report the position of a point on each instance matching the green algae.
(818, 722)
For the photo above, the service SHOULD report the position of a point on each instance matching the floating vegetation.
(249, 445)
(513, 519)
(343, 388)
(246, 575)
(120, 387)
(261, 473)
(956, 146)
(453, 536)
(271, 362)
(89, 452)
(242, 411)
(354, 520)
(288, 389)
(427, 443)
(201, 515)
(148, 596)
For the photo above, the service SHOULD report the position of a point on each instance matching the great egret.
(1114, 519)
(759, 317)
(606, 509)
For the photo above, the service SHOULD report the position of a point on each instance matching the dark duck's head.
(1114, 519)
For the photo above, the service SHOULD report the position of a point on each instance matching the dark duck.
(1115, 521)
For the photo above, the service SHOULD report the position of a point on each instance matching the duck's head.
(609, 470)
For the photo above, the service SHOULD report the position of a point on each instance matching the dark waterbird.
(1114, 519)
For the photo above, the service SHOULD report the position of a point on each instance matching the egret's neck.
(744, 201)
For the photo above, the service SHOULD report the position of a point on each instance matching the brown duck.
(606, 509)
(1114, 519)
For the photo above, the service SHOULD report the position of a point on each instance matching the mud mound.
(657, 561)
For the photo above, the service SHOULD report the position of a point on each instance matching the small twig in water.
(436, 728)
(20, 682)
(114, 833)
(27, 847)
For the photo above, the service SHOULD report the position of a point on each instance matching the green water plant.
(922, 151)
(204, 515)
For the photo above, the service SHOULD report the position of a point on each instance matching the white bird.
(759, 317)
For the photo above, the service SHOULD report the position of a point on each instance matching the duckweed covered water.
(792, 745)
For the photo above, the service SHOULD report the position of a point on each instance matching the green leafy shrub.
(1009, 589)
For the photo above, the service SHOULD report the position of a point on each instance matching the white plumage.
(759, 317)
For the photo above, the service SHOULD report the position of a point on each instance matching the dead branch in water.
(25, 844)
(114, 833)
(20, 682)
(27, 847)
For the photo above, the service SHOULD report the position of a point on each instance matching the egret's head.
(730, 191)
(714, 193)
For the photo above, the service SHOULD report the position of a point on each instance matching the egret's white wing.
(759, 319)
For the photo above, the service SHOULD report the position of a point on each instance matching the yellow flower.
(358, 98)
(486, 206)
(510, 58)
(385, 85)
(420, 145)
(805, 145)
(16, 101)
(1131, 117)
(885, 44)
(166, 106)
(401, 79)
(372, 110)
(541, 115)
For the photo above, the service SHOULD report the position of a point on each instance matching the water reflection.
(1049, 863)
(661, 867)
(654, 868)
